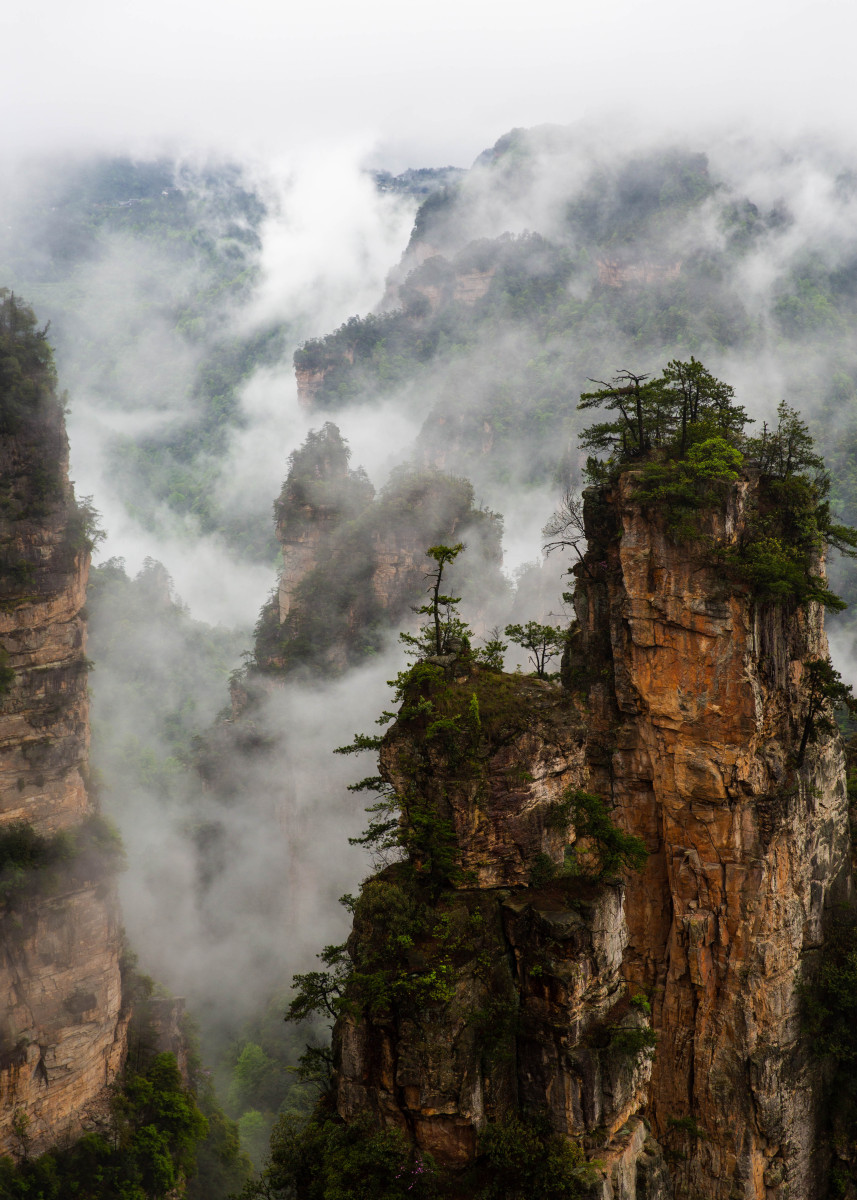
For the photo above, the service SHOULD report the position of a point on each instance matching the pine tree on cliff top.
(685, 435)
(683, 405)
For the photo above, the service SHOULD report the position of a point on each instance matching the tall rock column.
(696, 711)
(502, 993)
(62, 1025)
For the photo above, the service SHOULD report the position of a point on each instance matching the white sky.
(425, 84)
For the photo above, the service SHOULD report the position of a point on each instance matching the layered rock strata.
(62, 1025)
(696, 709)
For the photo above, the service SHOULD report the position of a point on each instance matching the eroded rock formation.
(62, 1025)
(533, 964)
(683, 704)
(695, 715)
(354, 563)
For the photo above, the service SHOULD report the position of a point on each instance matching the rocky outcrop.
(532, 1013)
(695, 714)
(310, 378)
(683, 706)
(530, 750)
(437, 282)
(62, 1025)
(616, 272)
(354, 563)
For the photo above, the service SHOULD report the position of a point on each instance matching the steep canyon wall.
(695, 715)
(62, 1024)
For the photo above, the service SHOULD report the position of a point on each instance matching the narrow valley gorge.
(596, 936)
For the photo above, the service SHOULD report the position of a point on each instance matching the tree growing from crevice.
(824, 691)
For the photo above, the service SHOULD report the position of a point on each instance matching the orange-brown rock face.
(696, 713)
(531, 992)
(533, 750)
(616, 274)
(62, 1029)
(310, 380)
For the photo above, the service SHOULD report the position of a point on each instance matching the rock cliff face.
(354, 563)
(683, 704)
(616, 273)
(62, 1027)
(695, 715)
(536, 994)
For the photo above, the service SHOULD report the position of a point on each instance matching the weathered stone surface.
(63, 1031)
(693, 707)
(354, 565)
(530, 750)
(695, 714)
(525, 1029)
(539, 987)
(633, 1167)
(568, 943)
(62, 1026)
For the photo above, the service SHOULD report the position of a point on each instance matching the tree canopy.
(685, 404)
(685, 435)
(27, 374)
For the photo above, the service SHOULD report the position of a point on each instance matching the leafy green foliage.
(527, 1160)
(441, 609)
(683, 406)
(519, 1159)
(7, 673)
(27, 374)
(321, 991)
(156, 1127)
(326, 1160)
(824, 690)
(35, 864)
(690, 483)
(684, 435)
(608, 849)
(827, 1016)
(402, 960)
(320, 481)
(543, 642)
(490, 654)
(688, 1126)
(778, 552)
(633, 1040)
(84, 530)
(543, 870)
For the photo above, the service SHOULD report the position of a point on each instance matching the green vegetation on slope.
(155, 1127)
(142, 268)
(684, 439)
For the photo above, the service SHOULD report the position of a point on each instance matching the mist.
(426, 86)
(176, 311)
(322, 256)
